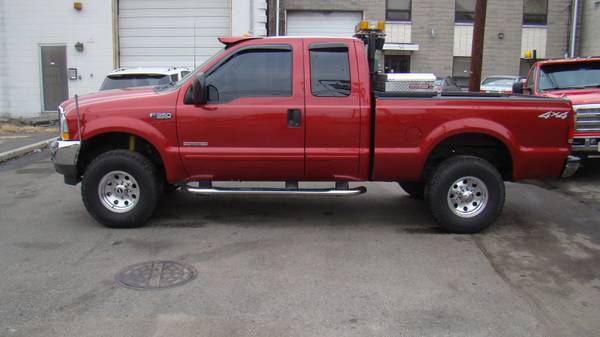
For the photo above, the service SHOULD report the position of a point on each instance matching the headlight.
(63, 125)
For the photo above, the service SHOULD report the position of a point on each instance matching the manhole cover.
(156, 275)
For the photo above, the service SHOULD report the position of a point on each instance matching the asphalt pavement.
(370, 265)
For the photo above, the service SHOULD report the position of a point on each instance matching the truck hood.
(109, 96)
(577, 96)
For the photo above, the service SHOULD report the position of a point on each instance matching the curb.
(18, 152)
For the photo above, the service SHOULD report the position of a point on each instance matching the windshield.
(499, 81)
(210, 59)
(569, 76)
(134, 80)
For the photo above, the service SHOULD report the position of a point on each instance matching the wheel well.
(99, 144)
(474, 144)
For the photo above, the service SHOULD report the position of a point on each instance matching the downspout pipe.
(573, 37)
(277, 18)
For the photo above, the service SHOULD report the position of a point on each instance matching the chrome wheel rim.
(467, 197)
(119, 191)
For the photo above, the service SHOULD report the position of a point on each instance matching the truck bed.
(408, 127)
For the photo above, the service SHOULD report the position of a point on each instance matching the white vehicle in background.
(142, 76)
(502, 83)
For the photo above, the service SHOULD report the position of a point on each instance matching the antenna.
(194, 44)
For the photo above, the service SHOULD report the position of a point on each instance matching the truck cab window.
(252, 73)
(329, 72)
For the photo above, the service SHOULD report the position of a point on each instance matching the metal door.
(54, 76)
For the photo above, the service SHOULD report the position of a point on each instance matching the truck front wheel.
(465, 194)
(120, 189)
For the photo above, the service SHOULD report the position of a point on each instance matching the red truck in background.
(296, 109)
(577, 80)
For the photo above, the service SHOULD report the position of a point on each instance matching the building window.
(461, 70)
(398, 10)
(397, 64)
(464, 11)
(535, 12)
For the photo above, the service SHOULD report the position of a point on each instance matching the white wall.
(463, 39)
(248, 17)
(590, 27)
(534, 38)
(398, 32)
(24, 25)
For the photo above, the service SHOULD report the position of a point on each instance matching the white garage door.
(313, 23)
(161, 32)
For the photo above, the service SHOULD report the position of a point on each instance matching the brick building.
(435, 35)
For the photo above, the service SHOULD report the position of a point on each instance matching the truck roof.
(568, 60)
(233, 40)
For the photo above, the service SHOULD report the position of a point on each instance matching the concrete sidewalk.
(16, 144)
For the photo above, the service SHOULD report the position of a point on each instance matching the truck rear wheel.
(120, 189)
(414, 189)
(465, 194)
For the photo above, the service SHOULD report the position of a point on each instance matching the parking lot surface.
(371, 265)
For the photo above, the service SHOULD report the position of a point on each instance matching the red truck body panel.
(407, 130)
(249, 139)
(128, 111)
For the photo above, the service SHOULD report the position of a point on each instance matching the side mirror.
(199, 92)
(517, 87)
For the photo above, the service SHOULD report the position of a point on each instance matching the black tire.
(414, 189)
(444, 178)
(169, 188)
(141, 169)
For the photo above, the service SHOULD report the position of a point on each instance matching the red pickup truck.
(577, 80)
(296, 109)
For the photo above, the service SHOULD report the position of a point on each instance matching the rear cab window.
(329, 70)
(134, 80)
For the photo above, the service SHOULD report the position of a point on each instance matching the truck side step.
(275, 191)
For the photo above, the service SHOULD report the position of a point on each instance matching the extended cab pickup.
(296, 109)
(577, 80)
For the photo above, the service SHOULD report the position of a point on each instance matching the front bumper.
(64, 155)
(587, 144)
(571, 166)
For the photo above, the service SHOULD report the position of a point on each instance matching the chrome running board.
(276, 191)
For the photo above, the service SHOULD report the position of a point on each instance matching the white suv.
(142, 76)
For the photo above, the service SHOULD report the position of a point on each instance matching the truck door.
(252, 127)
(333, 110)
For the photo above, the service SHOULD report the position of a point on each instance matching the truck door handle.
(294, 118)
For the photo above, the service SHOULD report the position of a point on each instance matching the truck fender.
(471, 125)
(169, 153)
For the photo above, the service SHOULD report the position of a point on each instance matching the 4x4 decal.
(554, 114)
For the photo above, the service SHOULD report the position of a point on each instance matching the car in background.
(575, 79)
(446, 84)
(142, 76)
(502, 84)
